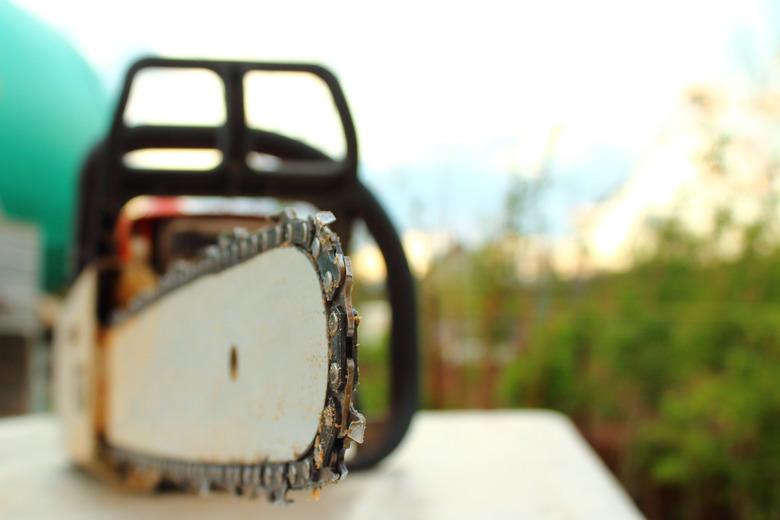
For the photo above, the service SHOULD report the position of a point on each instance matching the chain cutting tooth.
(251, 481)
(323, 219)
(241, 236)
(292, 474)
(357, 426)
(304, 233)
(328, 285)
(352, 322)
(253, 245)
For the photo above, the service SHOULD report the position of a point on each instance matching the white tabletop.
(504, 464)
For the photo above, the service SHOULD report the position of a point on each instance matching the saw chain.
(340, 423)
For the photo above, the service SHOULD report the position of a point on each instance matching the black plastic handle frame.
(107, 184)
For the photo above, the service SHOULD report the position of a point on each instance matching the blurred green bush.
(671, 368)
(672, 372)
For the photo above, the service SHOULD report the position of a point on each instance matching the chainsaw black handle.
(404, 362)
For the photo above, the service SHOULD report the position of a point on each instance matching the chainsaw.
(209, 341)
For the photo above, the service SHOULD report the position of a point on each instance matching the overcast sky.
(450, 96)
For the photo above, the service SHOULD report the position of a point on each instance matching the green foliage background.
(670, 369)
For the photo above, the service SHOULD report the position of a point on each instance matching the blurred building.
(19, 328)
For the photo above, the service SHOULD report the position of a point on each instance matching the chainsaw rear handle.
(107, 184)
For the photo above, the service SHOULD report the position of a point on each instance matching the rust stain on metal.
(345, 410)
(319, 454)
(329, 416)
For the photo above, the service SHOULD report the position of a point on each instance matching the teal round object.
(53, 108)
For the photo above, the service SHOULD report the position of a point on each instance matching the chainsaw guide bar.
(339, 422)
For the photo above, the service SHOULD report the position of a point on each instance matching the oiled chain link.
(340, 423)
